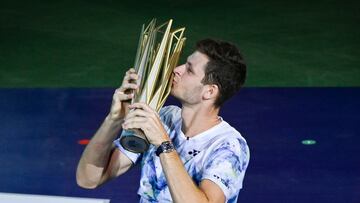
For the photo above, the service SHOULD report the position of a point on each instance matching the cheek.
(194, 94)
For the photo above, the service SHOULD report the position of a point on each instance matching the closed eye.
(189, 68)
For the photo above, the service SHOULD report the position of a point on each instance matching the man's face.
(187, 86)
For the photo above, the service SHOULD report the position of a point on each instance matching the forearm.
(181, 185)
(96, 155)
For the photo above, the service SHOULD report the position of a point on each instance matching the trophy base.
(134, 143)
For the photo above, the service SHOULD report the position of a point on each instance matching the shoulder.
(232, 145)
(233, 140)
(171, 109)
(229, 143)
(170, 114)
(226, 135)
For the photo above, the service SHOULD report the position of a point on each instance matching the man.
(194, 155)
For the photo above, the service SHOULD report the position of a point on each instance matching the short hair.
(226, 67)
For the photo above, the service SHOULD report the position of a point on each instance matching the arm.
(100, 160)
(181, 185)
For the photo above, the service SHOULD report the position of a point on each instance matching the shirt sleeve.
(134, 157)
(226, 166)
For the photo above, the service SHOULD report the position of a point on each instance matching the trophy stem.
(134, 142)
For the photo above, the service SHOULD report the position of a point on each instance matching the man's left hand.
(143, 117)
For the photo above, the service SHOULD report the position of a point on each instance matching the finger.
(133, 76)
(120, 96)
(143, 106)
(137, 113)
(128, 86)
(131, 70)
(136, 119)
(135, 125)
(130, 77)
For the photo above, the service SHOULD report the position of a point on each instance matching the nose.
(179, 70)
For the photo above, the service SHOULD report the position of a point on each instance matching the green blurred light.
(308, 142)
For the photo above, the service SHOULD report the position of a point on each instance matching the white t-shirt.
(219, 154)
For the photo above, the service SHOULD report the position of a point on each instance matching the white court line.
(26, 198)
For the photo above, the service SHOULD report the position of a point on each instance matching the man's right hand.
(123, 95)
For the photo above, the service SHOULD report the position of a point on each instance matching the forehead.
(198, 59)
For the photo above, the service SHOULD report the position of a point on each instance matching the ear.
(211, 92)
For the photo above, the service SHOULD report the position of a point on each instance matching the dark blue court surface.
(40, 130)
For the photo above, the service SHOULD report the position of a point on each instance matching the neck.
(197, 119)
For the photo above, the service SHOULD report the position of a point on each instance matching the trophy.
(157, 55)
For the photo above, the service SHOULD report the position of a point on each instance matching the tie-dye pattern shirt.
(219, 154)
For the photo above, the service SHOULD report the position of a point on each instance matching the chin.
(173, 93)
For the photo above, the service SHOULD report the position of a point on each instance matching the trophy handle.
(134, 142)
